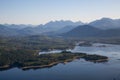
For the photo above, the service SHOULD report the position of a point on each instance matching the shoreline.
(39, 66)
(51, 64)
(55, 63)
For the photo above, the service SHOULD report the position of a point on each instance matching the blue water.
(75, 70)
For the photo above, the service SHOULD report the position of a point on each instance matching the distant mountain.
(6, 31)
(61, 31)
(17, 26)
(110, 33)
(83, 31)
(106, 23)
(66, 29)
(23, 30)
(88, 31)
(57, 25)
(104, 27)
(52, 27)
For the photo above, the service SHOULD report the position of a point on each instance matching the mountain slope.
(87, 31)
(57, 25)
(6, 31)
(48, 28)
(106, 23)
(110, 33)
(51, 27)
(83, 31)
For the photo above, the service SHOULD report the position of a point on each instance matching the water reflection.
(112, 51)
(75, 70)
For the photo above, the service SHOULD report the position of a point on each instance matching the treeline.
(22, 58)
(29, 59)
(35, 43)
(16, 57)
(24, 50)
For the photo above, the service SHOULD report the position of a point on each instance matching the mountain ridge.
(97, 28)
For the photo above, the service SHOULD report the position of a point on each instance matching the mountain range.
(104, 27)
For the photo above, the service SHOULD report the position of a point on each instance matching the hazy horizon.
(58, 20)
(42, 11)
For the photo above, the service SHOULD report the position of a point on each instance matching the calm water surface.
(76, 70)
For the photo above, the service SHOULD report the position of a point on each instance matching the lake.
(75, 70)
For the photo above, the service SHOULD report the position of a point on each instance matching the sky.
(42, 11)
